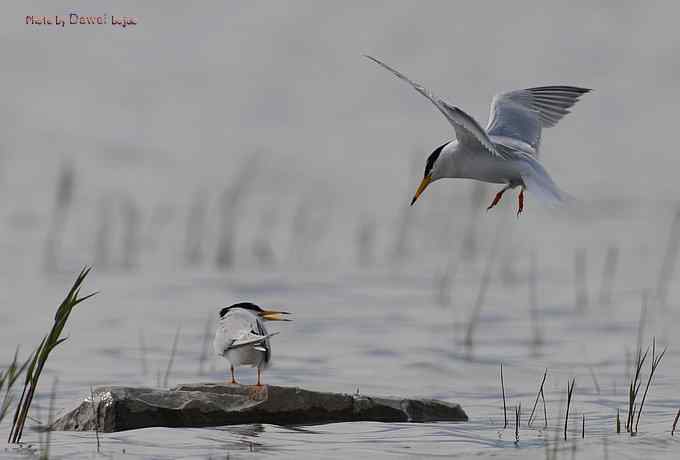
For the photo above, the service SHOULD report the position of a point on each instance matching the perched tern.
(241, 337)
(506, 152)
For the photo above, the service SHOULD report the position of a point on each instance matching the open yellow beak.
(274, 315)
(421, 188)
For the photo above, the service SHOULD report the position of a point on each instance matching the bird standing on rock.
(506, 152)
(242, 338)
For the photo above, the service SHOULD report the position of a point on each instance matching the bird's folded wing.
(467, 129)
(521, 114)
(249, 340)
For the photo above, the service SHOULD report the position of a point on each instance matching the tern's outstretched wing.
(522, 114)
(467, 129)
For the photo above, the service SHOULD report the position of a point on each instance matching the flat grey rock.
(118, 408)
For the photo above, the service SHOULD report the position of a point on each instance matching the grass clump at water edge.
(48, 343)
(8, 378)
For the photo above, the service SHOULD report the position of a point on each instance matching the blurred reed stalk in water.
(611, 263)
(143, 353)
(195, 231)
(131, 245)
(551, 454)
(669, 261)
(262, 249)
(643, 319)
(595, 383)
(406, 220)
(443, 283)
(171, 360)
(508, 262)
(470, 244)
(62, 206)
(231, 203)
(365, 241)
(45, 454)
(536, 324)
(483, 288)
(309, 225)
(102, 237)
(42, 353)
(400, 248)
(205, 345)
(581, 280)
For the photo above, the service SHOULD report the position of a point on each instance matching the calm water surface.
(375, 331)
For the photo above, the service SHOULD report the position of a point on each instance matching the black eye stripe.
(432, 158)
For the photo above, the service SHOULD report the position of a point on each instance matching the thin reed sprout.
(634, 388)
(518, 412)
(95, 415)
(654, 364)
(570, 393)
(538, 395)
(505, 409)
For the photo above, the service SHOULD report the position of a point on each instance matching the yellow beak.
(274, 315)
(421, 188)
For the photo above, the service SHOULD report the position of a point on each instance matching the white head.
(436, 167)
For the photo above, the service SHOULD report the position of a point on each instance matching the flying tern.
(507, 150)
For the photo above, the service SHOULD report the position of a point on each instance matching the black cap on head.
(244, 305)
(433, 157)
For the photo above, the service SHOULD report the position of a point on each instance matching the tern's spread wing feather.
(467, 129)
(522, 114)
(249, 339)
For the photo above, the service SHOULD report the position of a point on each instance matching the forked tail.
(539, 184)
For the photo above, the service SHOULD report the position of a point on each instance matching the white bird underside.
(243, 340)
(507, 150)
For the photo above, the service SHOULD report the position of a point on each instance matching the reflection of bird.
(506, 152)
(241, 337)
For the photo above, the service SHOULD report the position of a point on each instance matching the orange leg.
(520, 200)
(258, 384)
(233, 379)
(498, 197)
